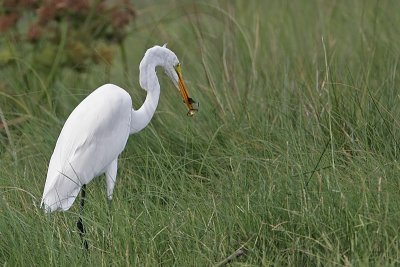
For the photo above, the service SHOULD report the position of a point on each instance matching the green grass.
(293, 154)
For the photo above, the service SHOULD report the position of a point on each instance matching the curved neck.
(148, 81)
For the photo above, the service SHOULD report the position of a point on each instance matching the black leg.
(79, 223)
(110, 222)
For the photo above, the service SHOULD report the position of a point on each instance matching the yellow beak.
(184, 93)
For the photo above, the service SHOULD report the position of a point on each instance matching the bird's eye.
(178, 68)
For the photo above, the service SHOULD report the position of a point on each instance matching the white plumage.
(97, 130)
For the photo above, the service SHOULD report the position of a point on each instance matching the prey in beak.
(184, 93)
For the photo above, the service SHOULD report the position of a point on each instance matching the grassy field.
(293, 155)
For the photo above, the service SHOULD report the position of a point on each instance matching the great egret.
(97, 130)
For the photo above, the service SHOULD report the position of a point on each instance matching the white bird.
(97, 130)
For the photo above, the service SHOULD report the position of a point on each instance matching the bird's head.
(162, 56)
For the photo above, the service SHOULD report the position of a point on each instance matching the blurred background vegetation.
(51, 36)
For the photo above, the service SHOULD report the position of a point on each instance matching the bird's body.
(89, 144)
(97, 130)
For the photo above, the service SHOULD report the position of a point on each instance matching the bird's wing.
(92, 137)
